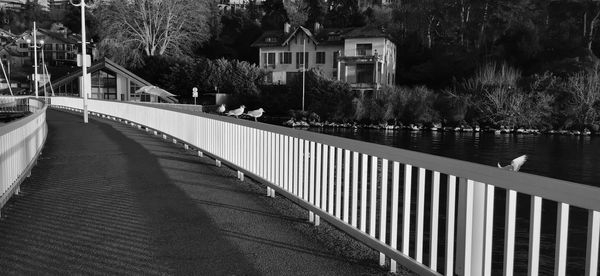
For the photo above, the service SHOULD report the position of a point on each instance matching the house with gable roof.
(363, 57)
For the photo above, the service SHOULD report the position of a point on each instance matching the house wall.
(384, 48)
(328, 69)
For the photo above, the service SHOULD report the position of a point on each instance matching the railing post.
(470, 228)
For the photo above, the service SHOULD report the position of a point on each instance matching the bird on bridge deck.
(256, 113)
(236, 112)
(515, 164)
(221, 108)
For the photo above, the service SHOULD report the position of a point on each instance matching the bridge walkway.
(106, 198)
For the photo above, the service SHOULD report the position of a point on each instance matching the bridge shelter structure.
(109, 81)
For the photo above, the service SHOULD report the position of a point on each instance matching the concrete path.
(106, 198)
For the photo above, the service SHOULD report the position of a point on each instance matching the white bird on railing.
(236, 112)
(515, 164)
(221, 108)
(256, 113)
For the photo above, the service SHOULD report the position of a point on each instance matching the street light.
(83, 57)
(35, 46)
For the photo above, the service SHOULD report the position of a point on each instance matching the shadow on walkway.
(108, 199)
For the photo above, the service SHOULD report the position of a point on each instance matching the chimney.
(286, 28)
(317, 28)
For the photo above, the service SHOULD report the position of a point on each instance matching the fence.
(367, 191)
(21, 142)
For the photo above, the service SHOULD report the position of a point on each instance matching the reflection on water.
(572, 158)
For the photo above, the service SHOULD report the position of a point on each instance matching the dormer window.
(270, 39)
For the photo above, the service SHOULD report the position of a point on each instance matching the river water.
(571, 158)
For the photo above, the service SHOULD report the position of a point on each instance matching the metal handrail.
(289, 161)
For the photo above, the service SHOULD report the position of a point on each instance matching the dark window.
(23, 45)
(286, 58)
(320, 58)
(364, 73)
(336, 54)
(363, 49)
(271, 58)
(299, 60)
(48, 47)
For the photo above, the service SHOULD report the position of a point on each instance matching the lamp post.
(83, 58)
(304, 60)
(35, 46)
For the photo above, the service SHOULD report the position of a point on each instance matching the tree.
(344, 13)
(132, 29)
(274, 15)
(297, 11)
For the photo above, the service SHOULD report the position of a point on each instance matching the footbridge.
(156, 189)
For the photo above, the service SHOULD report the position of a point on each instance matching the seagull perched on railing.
(236, 112)
(221, 108)
(256, 113)
(515, 164)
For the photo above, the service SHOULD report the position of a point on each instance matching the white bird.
(256, 113)
(515, 164)
(236, 112)
(221, 108)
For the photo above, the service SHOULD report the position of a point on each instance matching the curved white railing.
(366, 190)
(21, 142)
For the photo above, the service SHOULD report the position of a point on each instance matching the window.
(23, 45)
(48, 47)
(271, 58)
(363, 49)
(270, 39)
(299, 60)
(336, 54)
(285, 58)
(104, 85)
(60, 47)
(320, 58)
(364, 73)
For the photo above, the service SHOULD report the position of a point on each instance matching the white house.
(364, 57)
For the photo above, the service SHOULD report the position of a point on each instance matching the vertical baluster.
(338, 185)
(324, 176)
(317, 192)
(286, 158)
(311, 183)
(450, 224)
(394, 222)
(591, 260)
(354, 198)
(435, 208)
(562, 231)
(383, 208)
(295, 160)
(406, 209)
(420, 215)
(363, 193)
(301, 157)
(373, 203)
(307, 158)
(331, 184)
(346, 196)
(509, 235)
(488, 229)
(534, 235)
